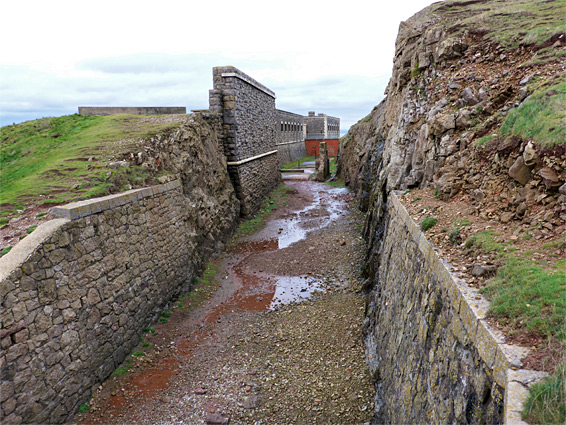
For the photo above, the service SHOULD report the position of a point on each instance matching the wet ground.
(278, 341)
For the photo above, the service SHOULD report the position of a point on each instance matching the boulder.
(464, 119)
(530, 157)
(442, 123)
(469, 97)
(549, 178)
(520, 172)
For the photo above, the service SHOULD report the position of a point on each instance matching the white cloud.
(314, 55)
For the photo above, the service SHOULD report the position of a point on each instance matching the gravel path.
(267, 361)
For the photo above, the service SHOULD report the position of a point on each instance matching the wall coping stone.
(250, 81)
(253, 158)
(76, 210)
(289, 143)
(503, 359)
(19, 254)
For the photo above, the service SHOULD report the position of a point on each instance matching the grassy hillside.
(57, 160)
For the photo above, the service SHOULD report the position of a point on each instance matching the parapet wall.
(131, 110)
(77, 292)
(248, 113)
(431, 353)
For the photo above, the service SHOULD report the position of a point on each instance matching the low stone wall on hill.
(431, 353)
(131, 110)
(77, 292)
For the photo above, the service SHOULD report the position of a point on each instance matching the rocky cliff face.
(192, 153)
(473, 112)
(458, 86)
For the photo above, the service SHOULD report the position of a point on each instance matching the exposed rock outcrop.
(459, 118)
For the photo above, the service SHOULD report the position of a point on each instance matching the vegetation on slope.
(508, 23)
(60, 159)
(54, 161)
(540, 117)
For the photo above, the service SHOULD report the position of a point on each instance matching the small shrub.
(5, 251)
(31, 229)
(166, 314)
(138, 353)
(147, 344)
(428, 223)
(84, 408)
(147, 330)
(121, 371)
(163, 320)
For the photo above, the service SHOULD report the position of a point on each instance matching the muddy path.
(274, 339)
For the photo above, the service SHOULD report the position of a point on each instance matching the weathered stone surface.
(322, 164)
(520, 172)
(81, 296)
(549, 178)
(425, 344)
(247, 110)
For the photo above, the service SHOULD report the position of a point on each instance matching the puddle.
(324, 208)
(294, 288)
(246, 289)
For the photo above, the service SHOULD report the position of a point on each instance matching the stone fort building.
(256, 137)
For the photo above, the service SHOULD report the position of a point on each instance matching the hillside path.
(252, 354)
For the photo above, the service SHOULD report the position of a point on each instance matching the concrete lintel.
(253, 158)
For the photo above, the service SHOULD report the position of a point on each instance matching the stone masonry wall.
(77, 293)
(290, 151)
(131, 110)
(431, 354)
(249, 116)
(290, 136)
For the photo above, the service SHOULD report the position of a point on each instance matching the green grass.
(85, 406)
(122, 370)
(540, 118)
(336, 183)
(483, 141)
(427, 223)
(527, 296)
(509, 23)
(296, 163)
(333, 165)
(485, 242)
(546, 402)
(48, 157)
(5, 251)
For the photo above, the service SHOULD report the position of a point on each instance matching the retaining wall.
(431, 353)
(131, 110)
(290, 151)
(249, 116)
(78, 291)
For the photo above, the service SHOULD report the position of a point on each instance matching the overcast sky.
(331, 57)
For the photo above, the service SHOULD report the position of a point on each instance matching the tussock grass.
(546, 402)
